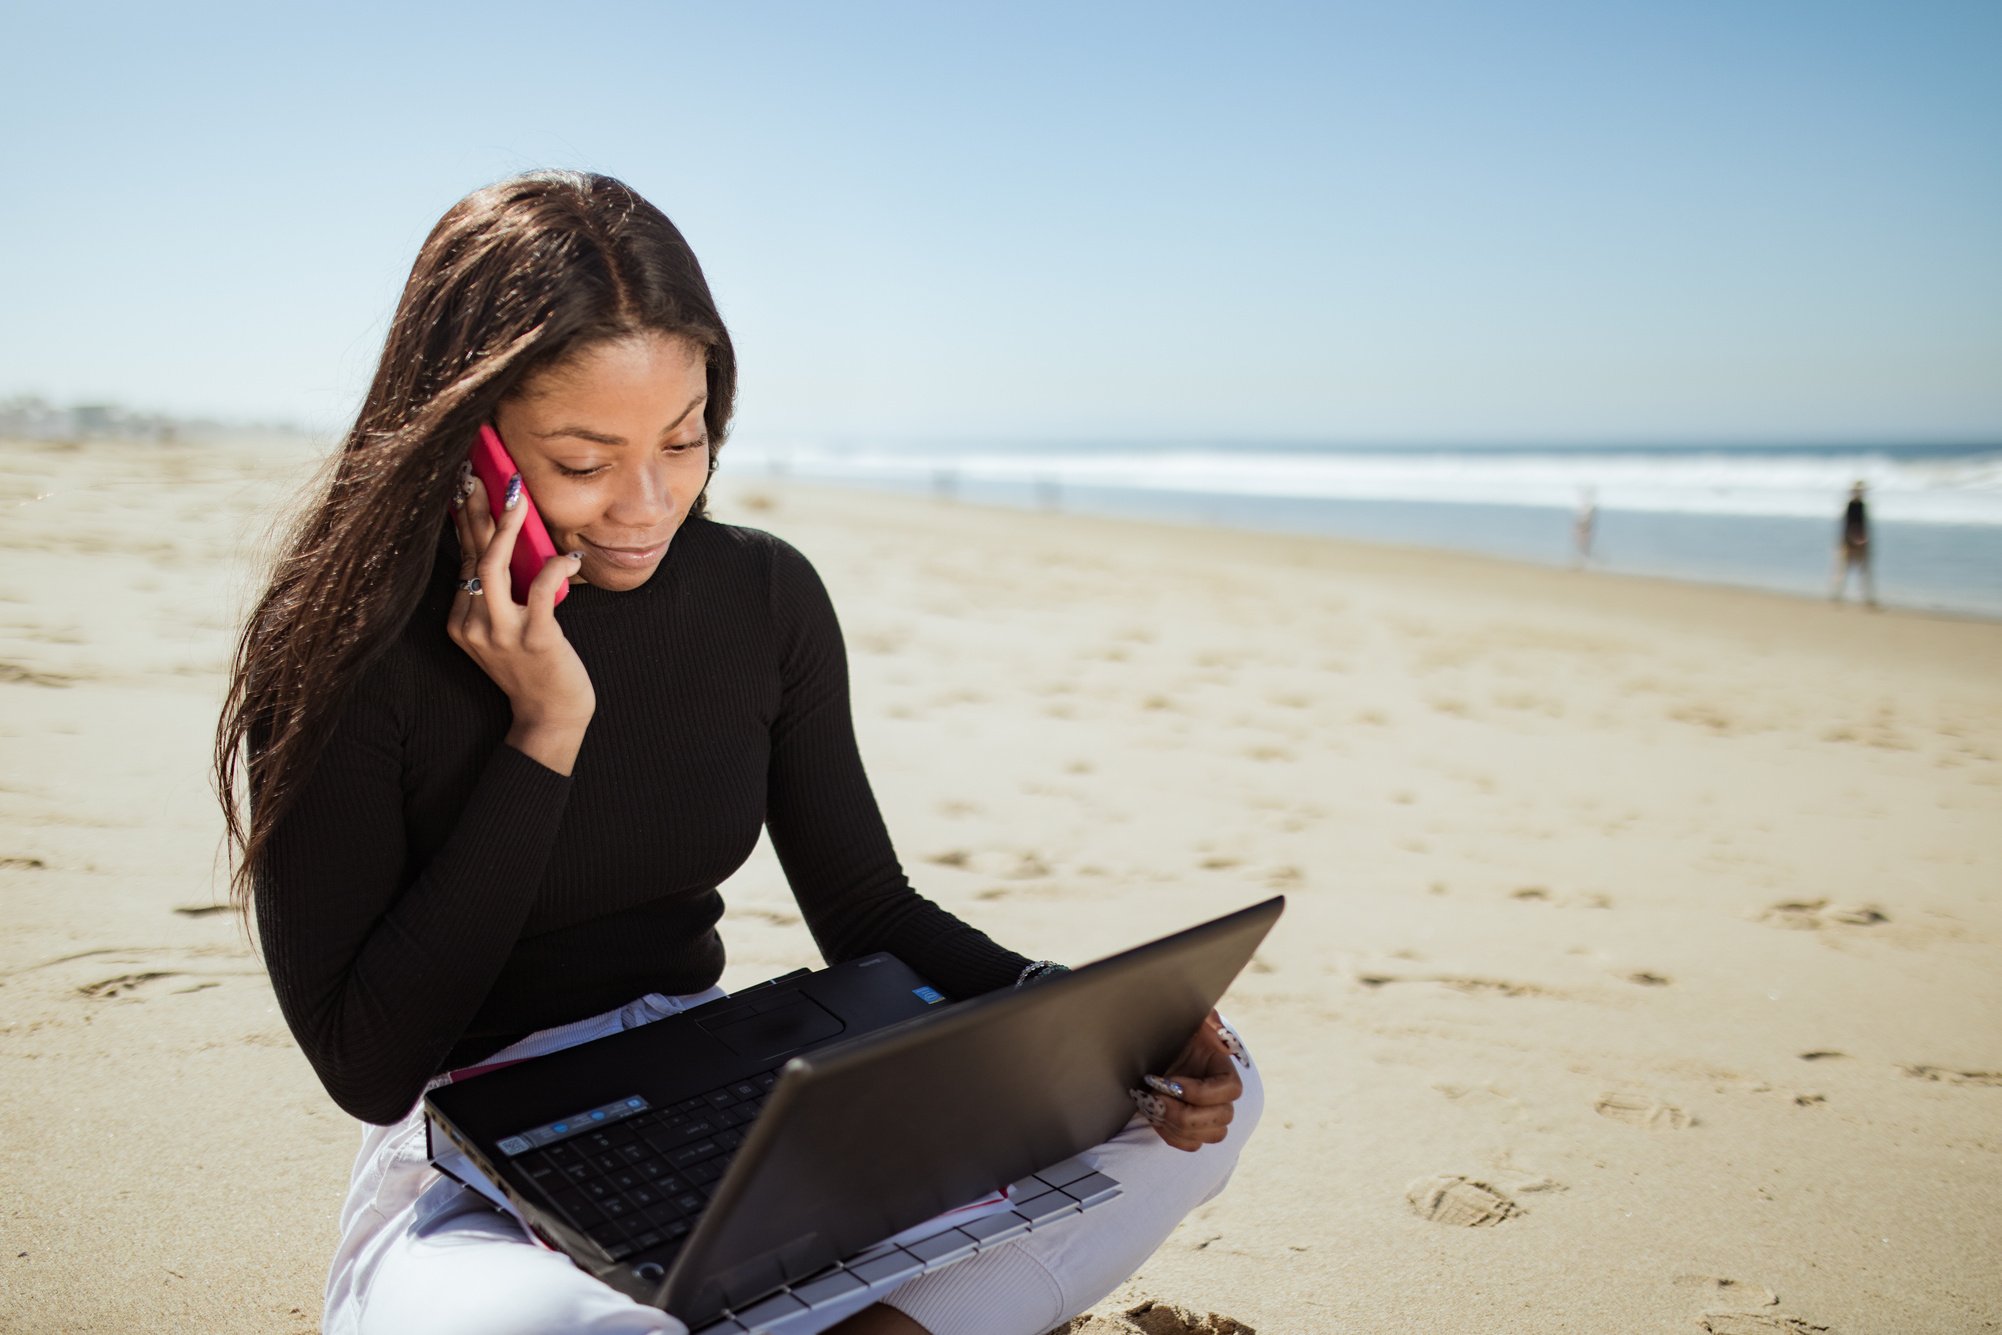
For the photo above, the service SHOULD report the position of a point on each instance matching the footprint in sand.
(1500, 987)
(123, 985)
(1730, 1290)
(1448, 1198)
(1807, 915)
(1951, 1076)
(1152, 1318)
(14, 672)
(1642, 1111)
(1756, 1323)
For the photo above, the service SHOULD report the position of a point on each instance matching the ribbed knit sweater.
(434, 894)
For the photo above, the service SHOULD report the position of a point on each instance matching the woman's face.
(613, 449)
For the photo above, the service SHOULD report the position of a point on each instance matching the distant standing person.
(1852, 551)
(1582, 525)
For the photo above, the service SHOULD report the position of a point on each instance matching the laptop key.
(941, 1248)
(693, 1154)
(649, 1239)
(770, 1312)
(996, 1228)
(893, 1264)
(1041, 1209)
(666, 1141)
(1065, 1173)
(1093, 1189)
(824, 1289)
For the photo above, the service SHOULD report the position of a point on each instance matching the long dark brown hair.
(514, 278)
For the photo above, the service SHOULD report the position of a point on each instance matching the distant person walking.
(1582, 526)
(1852, 550)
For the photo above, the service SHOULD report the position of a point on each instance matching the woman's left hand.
(1191, 1103)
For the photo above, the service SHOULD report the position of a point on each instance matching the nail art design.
(1151, 1106)
(1233, 1044)
(464, 487)
(513, 497)
(1163, 1085)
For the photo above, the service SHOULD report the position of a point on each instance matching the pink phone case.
(532, 547)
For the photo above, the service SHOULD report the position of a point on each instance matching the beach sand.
(1642, 966)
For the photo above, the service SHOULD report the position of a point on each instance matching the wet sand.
(1640, 970)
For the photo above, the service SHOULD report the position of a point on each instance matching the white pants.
(422, 1255)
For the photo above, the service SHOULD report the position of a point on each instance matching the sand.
(1640, 970)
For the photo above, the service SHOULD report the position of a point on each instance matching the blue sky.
(1755, 221)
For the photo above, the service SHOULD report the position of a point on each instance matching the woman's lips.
(627, 558)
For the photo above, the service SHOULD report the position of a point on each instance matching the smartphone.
(493, 465)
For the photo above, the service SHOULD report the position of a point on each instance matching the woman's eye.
(687, 445)
(566, 471)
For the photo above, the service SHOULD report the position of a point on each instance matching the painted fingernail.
(513, 497)
(1162, 1085)
(1150, 1106)
(577, 556)
(1233, 1044)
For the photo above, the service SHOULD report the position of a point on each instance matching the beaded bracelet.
(1041, 969)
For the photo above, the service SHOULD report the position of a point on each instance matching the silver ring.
(471, 586)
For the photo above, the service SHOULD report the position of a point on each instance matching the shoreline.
(1267, 515)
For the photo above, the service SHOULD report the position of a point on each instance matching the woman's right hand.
(521, 647)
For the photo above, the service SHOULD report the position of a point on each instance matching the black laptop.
(742, 1149)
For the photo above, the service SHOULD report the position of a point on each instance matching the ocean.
(1758, 517)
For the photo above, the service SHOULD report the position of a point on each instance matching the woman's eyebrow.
(600, 438)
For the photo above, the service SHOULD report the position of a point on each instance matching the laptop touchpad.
(789, 1025)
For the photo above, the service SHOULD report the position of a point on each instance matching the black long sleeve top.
(434, 894)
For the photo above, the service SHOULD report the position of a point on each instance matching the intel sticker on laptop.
(931, 996)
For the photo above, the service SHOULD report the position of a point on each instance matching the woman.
(482, 829)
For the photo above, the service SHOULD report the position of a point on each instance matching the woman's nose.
(646, 498)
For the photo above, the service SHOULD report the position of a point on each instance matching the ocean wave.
(1942, 489)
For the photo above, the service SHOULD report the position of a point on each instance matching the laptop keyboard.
(641, 1182)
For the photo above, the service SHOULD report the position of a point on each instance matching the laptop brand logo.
(929, 995)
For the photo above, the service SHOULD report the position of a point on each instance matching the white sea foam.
(1944, 489)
